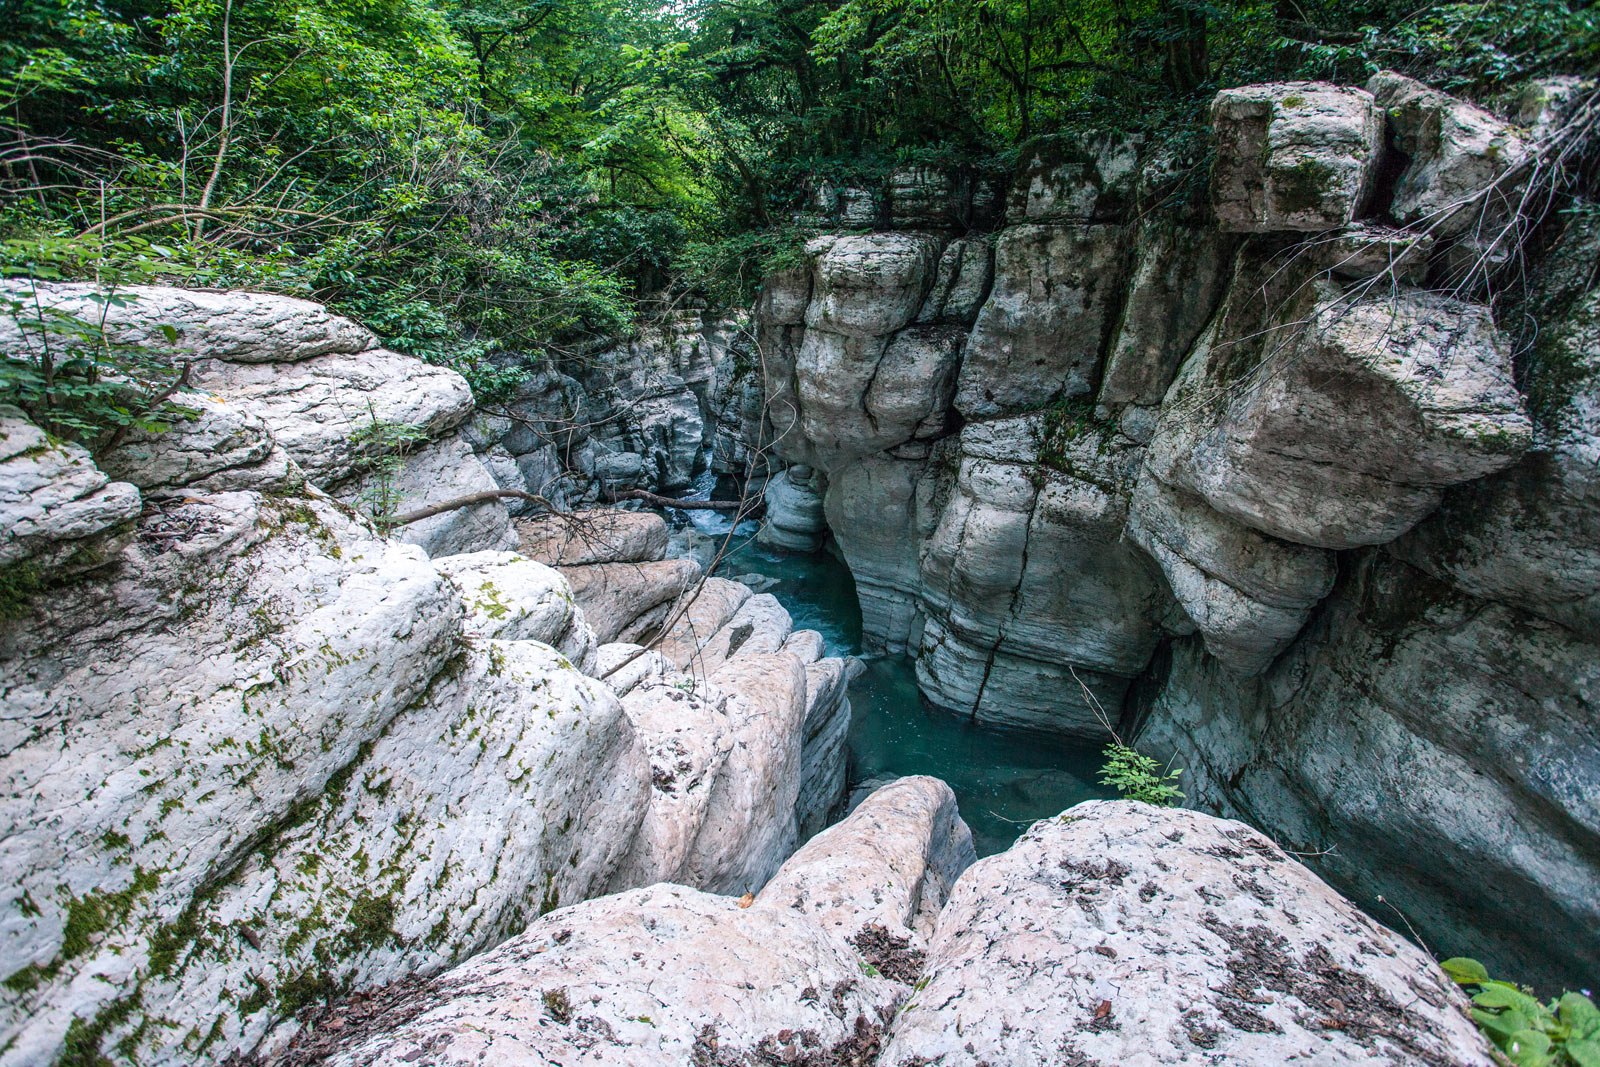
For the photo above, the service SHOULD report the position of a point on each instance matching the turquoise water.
(1004, 780)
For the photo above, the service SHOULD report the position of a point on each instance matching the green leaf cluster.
(1136, 776)
(1565, 1032)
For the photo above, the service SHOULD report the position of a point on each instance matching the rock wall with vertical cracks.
(1277, 475)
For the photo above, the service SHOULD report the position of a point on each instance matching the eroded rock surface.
(260, 756)
(1121, 933)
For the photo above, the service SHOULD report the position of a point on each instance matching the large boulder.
(332, 412)
(232, 325)
(593, 535)
(511, 598)
(228, 669)
(1293, 156)
(1529, 536)
(812, 967)
(1353, 424)
(1120, 933)
(626, 601)
(436, 473)
(213, 444)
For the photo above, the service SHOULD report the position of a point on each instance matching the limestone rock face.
(1348, 741)
(856, 381)
(515, 784)
(278, 681)
(1171, 937)
(238, 327)
(1248, 594)
(1178, 277)
(1026, 579)
(1455, 152)
(1293, 155)
(922, 196)
(318, 407)
(657, 417)
(56, 503)
(1064, 180)
(511, 598)
(872, 285)
(439, 471)
(1049, 315)
(593, 535)
(1530, 535)
(966, 268)
(794, 519)
(219, 444)
(880, 511)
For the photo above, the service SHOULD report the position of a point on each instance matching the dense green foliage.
(482, 181)
(1563, 1033)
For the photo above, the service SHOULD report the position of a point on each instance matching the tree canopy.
(478, 178)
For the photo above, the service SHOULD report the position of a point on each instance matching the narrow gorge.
(734, 689)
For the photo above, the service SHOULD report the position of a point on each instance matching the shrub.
(1136, 776)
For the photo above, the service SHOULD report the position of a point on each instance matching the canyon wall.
(1266, 473)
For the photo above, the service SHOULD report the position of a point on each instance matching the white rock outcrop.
(1353, 425)
(231, 325)
(259, 756)
(1122, 933)
(666, 975)
(1113, 933)
(59, 507)
(1293, 155)
(1456, 152)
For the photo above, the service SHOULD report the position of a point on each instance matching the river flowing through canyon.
(1004, 780)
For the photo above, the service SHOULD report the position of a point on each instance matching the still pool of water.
(1004, 780)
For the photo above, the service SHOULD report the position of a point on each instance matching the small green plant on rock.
(1130, 772)
(68, 373)
(380, 447)
(1136, 776)
(1528, 1032)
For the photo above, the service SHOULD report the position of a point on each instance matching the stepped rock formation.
(258, 755)
(1185, 448)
